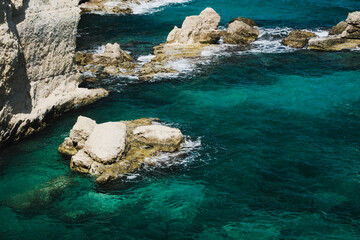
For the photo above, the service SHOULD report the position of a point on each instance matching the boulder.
(248, 21)
(354, 19)
(81, 131)
(113, 55)
(67, 148)
(106, 144)
(239, 32)
(338, 28)
(112, 61)
(81, 162)
(298, 39)
(169, 138)
(197, 29)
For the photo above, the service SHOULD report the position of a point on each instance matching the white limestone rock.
(197, 29)
(81, 131)
(107, 142)
(159, 135)
(81, 162)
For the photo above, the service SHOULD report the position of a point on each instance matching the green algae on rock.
(116, 148)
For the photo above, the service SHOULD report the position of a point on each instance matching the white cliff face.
(38, 76)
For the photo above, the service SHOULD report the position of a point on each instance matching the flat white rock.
(107, 142)
(158, 134)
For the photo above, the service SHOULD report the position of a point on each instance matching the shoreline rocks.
(298, 39)
(116, 148)
(196, 33)
(111, 7)
(348, 39)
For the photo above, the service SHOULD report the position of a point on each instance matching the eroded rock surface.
(349, 38)
(239, 32)
(298, 39)
(112, 61)
(188, 41)
(117, 148)
(38, 78)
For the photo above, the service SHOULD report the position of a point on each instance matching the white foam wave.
(140, 7)
(182, 157)
(153, 6)
(98, 49)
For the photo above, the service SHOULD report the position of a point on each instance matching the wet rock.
(338, 29)
(67, 148)
(41, 196)
(298, 39)
(106, 143)
(239, 32)
(248, 21)
(117, 148)
(333, 43)
(348, 39)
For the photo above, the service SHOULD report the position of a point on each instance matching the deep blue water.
(279, 131)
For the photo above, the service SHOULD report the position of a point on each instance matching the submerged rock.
(41, 196)
(116, 148)
(298, 39)
(240, 32)
(349, 38)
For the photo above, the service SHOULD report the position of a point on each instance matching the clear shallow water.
(279, 133)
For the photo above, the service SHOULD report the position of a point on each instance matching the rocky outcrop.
(116, 148)
(38, 76)
(239, 32)
(112, 61)
(298, 39)
(188, 41)
(247, 21)
(347, 39)
(118, 7)
(200, 29)
(338, 28)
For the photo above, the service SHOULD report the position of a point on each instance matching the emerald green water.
(274, 138)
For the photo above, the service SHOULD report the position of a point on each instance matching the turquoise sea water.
(274, 137)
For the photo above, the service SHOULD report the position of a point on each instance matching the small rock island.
(111, 149)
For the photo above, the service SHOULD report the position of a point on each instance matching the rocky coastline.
(39, 80)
